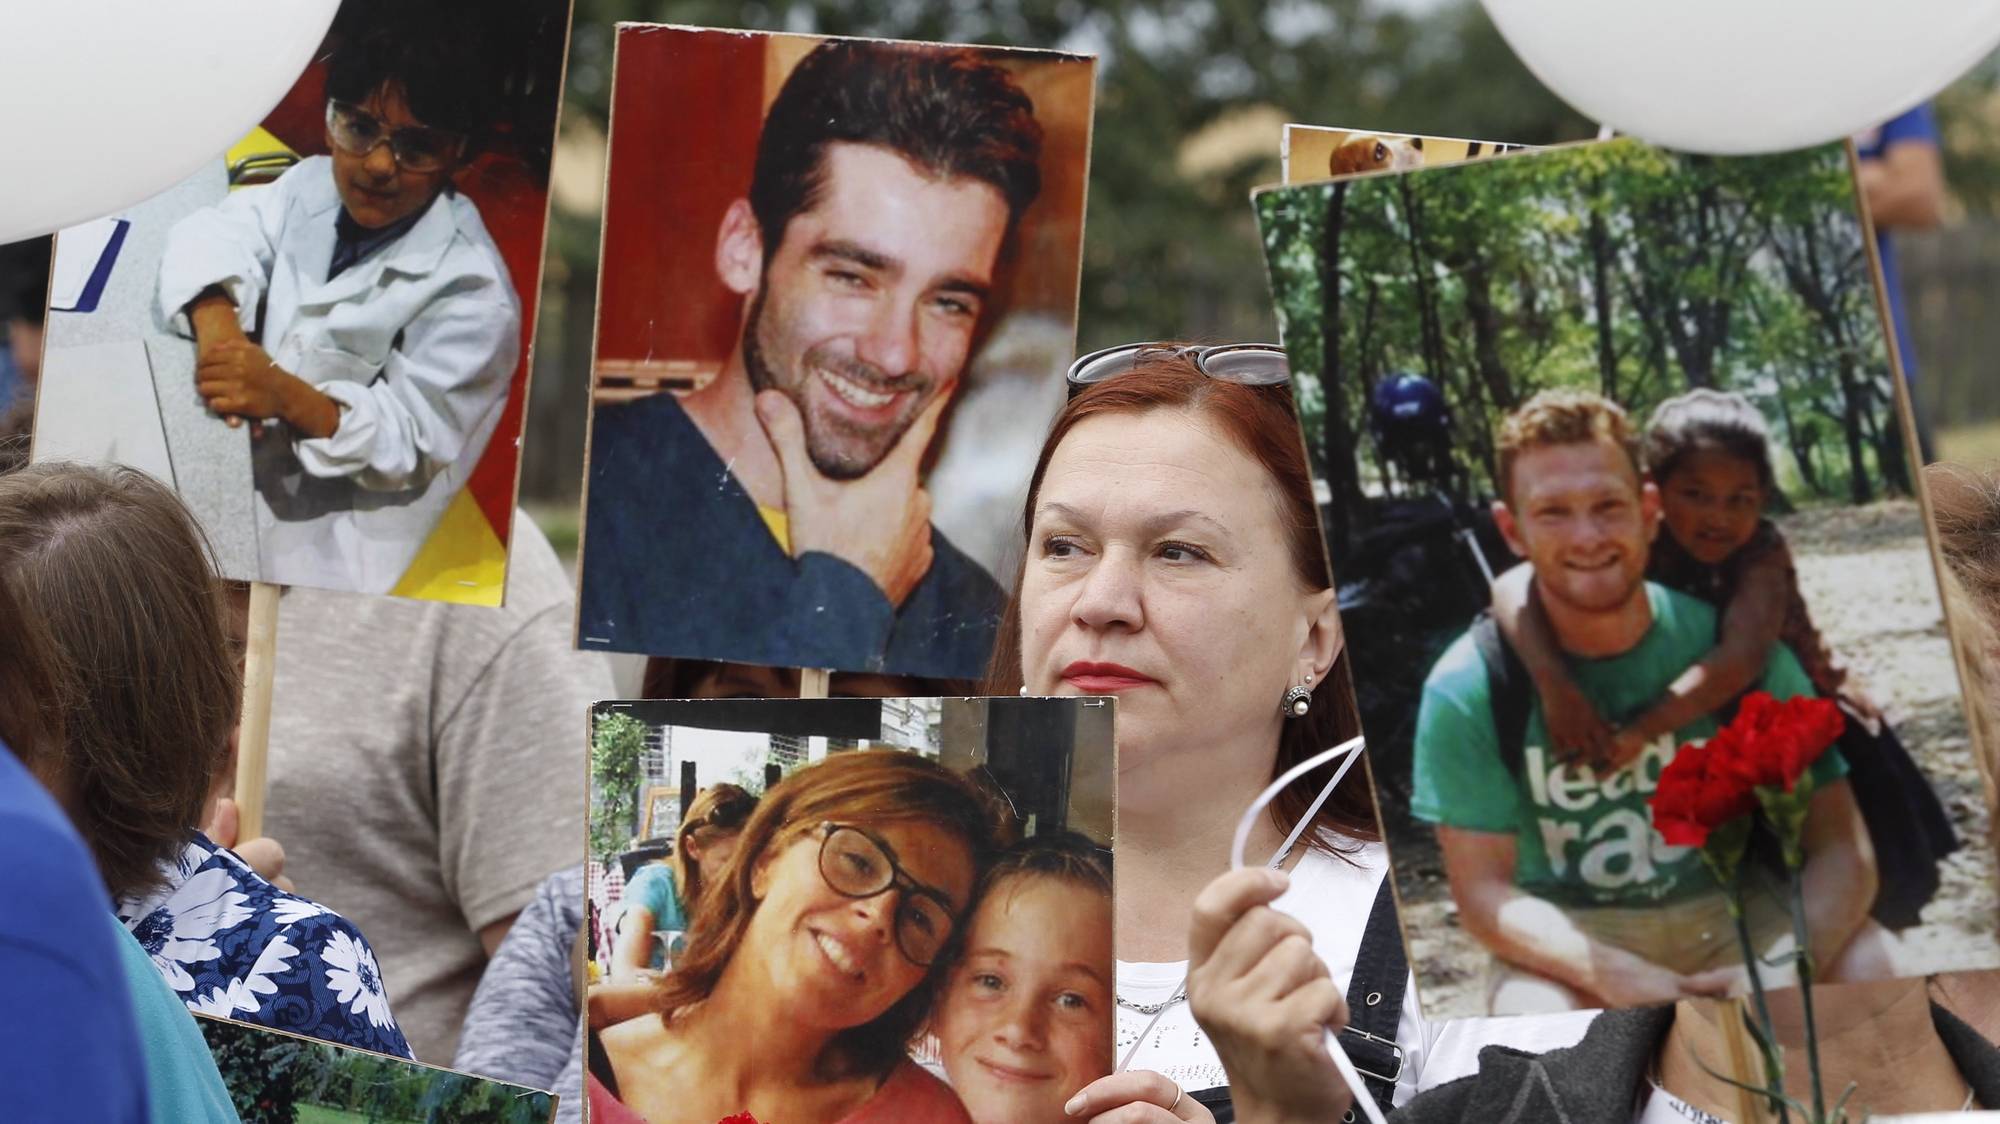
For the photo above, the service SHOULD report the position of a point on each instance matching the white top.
(1332, 898)
(1329, 896)
(416, 343)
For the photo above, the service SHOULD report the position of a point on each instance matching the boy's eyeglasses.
(417, 148)
(858, 864)
(1253, 364)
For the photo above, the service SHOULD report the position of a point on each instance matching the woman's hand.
(1266, 1000)
(1137, 1096)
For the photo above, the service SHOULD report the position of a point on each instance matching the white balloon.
(104, 103)
(1743, 76)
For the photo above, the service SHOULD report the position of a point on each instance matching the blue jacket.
(678, 562)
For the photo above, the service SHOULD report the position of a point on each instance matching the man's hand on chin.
(879, 523)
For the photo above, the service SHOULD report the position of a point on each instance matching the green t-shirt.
(1582, 840)
(652, 888)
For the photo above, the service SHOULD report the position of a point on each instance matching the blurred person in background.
(1902, 181)
(426, 770)
(79, 1057)
(116, 574)
(661, 894)
(24, 283)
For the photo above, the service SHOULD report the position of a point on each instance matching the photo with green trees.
(279, 1078)
(1616, 267)
(1419, 309)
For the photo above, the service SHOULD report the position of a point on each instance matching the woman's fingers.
(1287, 966)
(1134, 1089)
(1247, 944)
(1228, 898)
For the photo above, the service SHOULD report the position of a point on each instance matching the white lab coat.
(417, 343)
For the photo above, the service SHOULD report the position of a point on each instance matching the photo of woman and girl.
(875, 924)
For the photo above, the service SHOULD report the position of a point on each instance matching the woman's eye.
(860, 864)
(988, 981)
(1057, 546)
(1181, 552)
(1072, 1001)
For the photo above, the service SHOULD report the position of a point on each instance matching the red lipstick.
(1104, 678)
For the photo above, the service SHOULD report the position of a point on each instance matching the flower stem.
(1774, 1055)
(1804, 953)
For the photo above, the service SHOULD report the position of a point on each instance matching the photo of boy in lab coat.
(359, 315)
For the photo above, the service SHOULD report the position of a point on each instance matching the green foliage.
(267, 1074)
(616, 743)
(1170, 253)
(1617, 268)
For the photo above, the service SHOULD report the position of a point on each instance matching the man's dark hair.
(444, 77)
(946, 110)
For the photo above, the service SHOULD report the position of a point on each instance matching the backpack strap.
(1375, 1000)
(1509, 690)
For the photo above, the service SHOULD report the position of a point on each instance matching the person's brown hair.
(863, 788)
(1563, 417)
(119, 577)
(30, 710)
(716, 811)
(1966, 505)
(1066, 856)
(1262, 422)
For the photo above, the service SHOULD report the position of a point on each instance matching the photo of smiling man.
(900, 245)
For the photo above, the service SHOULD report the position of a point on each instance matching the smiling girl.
(1025, 1020)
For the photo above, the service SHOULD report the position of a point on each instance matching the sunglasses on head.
(417, 148)
(1252, 364)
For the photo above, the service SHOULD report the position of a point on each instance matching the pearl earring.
(1298, 700)
(1024, 690)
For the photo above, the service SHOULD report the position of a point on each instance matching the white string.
(1351, 749)
(1236, 855)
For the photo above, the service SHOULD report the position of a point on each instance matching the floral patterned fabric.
(231, 944)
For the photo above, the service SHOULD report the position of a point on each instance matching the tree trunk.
(1343, 476)
(1420, 270)
(1486, 334)
(1600, 285)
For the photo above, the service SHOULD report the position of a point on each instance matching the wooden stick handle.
(1745, 1062)
(253, 740)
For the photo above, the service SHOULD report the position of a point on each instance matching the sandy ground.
(1866, 573)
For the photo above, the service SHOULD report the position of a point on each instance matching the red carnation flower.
(1776, 742)
(1698, 793)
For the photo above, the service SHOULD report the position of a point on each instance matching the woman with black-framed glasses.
(814, 958)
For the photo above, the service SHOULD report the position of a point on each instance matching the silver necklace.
(1179, 994)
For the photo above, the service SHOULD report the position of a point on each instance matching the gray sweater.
(525, 1025)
